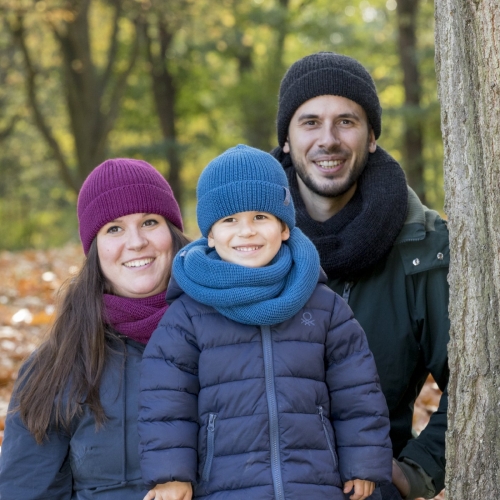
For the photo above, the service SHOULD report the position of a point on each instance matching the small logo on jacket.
(307, 319)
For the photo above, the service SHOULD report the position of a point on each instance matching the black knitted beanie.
(326, 73)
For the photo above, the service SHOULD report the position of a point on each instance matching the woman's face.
(135, 254)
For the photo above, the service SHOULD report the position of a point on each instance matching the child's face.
(250, 239)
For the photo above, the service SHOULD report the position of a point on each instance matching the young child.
(258, 382)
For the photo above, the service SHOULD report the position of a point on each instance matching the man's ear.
(211, 241)
(286, 146)
(372, 142)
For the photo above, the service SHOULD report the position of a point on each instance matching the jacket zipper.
(210, 446)
(325, 430)
(272, 405)
(347, 291)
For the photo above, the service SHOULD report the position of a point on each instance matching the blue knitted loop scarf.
(252, 296)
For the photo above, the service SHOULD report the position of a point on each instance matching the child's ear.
(211, 241)
(285, 231)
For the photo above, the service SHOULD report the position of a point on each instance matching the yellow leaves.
(29, 282)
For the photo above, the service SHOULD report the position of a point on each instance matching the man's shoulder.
(423, 244)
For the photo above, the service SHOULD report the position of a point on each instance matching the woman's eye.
(150, 222)
(113, 229)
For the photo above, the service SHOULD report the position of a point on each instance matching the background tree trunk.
(407, 11)
(165, 94)
(468, 69)
(93, 95)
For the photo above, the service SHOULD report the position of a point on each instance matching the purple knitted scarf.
(135, 318)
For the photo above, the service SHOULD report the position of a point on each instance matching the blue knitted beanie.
(243, 179)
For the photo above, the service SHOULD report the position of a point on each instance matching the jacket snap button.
(440, 256)
(416, 262)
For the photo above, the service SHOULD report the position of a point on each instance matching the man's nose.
(329, 137)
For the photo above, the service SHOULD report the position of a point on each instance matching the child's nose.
(247, 229)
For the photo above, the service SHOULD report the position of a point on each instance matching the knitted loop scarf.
(363, 232)
(252, 296)
(135, 318)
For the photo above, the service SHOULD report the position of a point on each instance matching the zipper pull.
(211, 422)
(347, 290)
(320, 411)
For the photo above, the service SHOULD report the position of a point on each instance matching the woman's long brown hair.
(65, 372)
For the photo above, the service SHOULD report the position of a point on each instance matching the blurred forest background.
(176, 82)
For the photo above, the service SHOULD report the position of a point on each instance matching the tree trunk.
(407, 11)
(468, 69)
(92, 97)
(165, 94)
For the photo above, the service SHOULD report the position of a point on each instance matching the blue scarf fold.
(252, 296)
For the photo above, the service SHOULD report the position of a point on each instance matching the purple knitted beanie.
(119, 187)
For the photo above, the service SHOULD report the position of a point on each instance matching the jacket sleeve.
(34, 471)
(431, 293)
(359, 413)
(168, 401)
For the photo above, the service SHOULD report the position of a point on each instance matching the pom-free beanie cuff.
(245, 196)
(243, 179)
(326, 73)
(120, 187)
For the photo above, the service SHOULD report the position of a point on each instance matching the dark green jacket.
(402, 305)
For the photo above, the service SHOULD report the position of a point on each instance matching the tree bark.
(407, 11)
(468, 70)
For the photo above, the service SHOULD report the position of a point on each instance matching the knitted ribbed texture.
(119, 187)
(326, 73)
(364, 231)
(135, 318)
(239, 180)
(252, 296)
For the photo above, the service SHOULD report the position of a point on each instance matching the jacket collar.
(419, 220)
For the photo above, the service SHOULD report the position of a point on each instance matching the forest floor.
(29, 281)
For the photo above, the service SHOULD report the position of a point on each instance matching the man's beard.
(329, 190)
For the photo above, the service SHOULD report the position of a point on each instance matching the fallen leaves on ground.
(29, 282)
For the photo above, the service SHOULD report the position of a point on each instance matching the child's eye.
(228, 219)
(260, 217)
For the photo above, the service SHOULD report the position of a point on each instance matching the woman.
(71, 429)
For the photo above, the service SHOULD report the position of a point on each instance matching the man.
(383, 251)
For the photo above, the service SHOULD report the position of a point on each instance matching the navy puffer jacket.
(290, 411)
(84, 464)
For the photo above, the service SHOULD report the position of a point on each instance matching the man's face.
(329, 139)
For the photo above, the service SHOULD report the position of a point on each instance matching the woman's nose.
(136, 240)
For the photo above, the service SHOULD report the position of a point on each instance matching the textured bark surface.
(468, 68)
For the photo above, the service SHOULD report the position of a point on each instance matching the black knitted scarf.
(363, 232)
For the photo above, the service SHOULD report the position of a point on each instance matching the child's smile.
(250, 239)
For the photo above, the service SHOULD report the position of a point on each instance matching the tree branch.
(19, 35)
(113, 47)
(118, 90)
